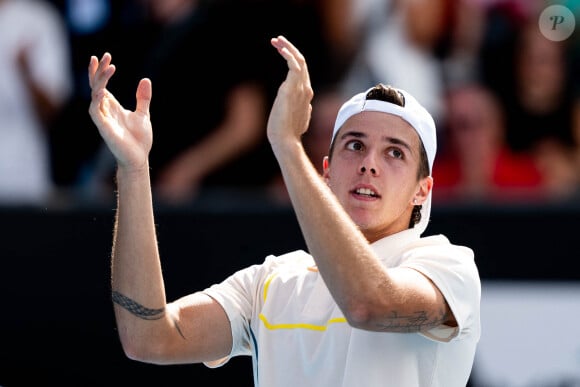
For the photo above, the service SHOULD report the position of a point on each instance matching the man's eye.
(354, 145)
(396, 153)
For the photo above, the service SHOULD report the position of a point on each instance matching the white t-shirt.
(24, 152)
(283, 315)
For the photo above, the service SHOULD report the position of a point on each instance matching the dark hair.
(387, 93)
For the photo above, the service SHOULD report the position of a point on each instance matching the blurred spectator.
(475, 164)
(534, 83)
(400, 49)
(213, 138)
(542, 117)
(541, 102)
(93, 27)
(35, 83)
(325, 40)
(211, 112)
(342, 30)
(460, 49)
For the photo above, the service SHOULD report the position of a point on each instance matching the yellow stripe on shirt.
(313, 327)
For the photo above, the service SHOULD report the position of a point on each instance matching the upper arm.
(200, 331)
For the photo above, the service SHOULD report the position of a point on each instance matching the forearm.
(135, 267)
(194, 328)
(341, 252)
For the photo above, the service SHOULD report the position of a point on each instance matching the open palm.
(128, 134)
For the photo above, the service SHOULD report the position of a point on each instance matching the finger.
(105, 61)
(282, 46)
(93, 63)
(144, 94)
(294, 58)
(100, 76)
(96, 67)
(292, 48)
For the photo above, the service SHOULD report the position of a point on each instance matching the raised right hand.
(128, 134)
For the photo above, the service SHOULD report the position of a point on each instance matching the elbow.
(134, 350)
(144, 356)
(144, 351)
(358, 315)
(377, 315)
(134, 354)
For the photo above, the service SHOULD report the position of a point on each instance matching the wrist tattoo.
(136, 308)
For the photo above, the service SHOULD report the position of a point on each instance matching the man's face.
(374, 172)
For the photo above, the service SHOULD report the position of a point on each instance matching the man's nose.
(372, 170)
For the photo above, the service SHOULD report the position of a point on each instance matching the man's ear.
(425, 186)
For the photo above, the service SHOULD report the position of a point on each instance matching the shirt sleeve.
(235, 294)
(241, 295)
(452, 269)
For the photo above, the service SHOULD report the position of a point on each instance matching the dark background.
(57, 325)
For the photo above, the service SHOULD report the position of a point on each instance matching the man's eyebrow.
(352, 134)
(398, 141)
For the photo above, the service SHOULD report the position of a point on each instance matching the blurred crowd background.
(505, 98)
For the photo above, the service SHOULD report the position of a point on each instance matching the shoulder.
(453, 269)
(436, 257)
(440, 244)
(299, 258)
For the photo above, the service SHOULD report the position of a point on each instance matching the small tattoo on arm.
(179, 330)
(136, 308)
(415, 322)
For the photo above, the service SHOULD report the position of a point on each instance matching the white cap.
(412, 112)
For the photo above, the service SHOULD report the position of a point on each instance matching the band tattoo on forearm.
(140, 311)
(136, 308)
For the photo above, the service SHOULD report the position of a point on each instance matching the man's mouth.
(366, 192)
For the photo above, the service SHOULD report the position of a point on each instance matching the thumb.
(144, 94)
